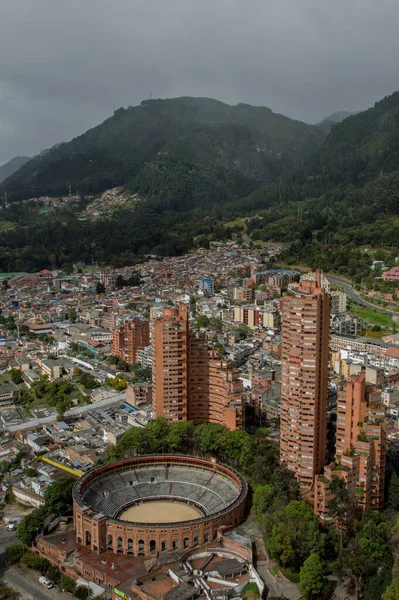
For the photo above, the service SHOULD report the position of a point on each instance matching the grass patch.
(290, 574)
(371, 316)
(251, 592)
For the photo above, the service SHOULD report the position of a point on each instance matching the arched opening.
(215, 533)
(175, 545)
(153, 546)
(195, 540)
(130, 546)
(185, 543)
(141, 547)
(163, 546)
(110, 542)
(88, 538)
(119, 544)
(206, 538)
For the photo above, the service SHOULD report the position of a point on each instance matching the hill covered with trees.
(199, 166)
(243, 145)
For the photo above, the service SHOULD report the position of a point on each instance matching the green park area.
(372, 317)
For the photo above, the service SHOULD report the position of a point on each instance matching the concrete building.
(254, 316)
(133, 336)
(346, 324)
(189, 383)
(338, 303)
(304, 381)
(206, 287)
(360, 448)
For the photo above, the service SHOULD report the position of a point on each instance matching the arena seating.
(211, 491)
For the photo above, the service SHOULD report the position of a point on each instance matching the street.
(117, 399)
(18, 581)
(355, 297)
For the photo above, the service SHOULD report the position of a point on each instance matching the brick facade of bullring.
(101, 533)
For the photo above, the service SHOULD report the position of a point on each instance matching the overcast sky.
(63, 64)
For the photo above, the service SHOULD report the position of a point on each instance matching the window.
(163, 546)
(185, 543)
(109, 542)
(153, 546)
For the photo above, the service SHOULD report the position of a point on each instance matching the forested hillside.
(345, 196)
(12, 166)
(204, 181)
(247, 143)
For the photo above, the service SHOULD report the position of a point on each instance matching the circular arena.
(160, 503)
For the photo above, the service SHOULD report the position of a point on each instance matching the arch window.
(185, 543)
(88, 538)
(110, 541)
(164, 546)
(153, 546)
(141, 546)
(130, 545)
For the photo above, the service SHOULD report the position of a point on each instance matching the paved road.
(30, 587)
(77, 410)
(7, 538)
(355, 297)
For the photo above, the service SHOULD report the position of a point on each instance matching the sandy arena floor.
(160, 512)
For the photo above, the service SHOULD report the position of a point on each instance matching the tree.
(15, 552)
(392, 592)
(356, 567)
(293, 534)
(58, 496)
(29, 527)
(100, 288)
(338, 507)
(73, 315)
(216, 323)
(311, 575)
(202, 321)
(16, 376)
(393, 491)
(83, 592)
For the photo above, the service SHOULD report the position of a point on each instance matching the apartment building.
(189, 383)
(133, 336)
(254, 316)
(304, 380)
(360, 448)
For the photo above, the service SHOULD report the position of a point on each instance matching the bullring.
(205, 496)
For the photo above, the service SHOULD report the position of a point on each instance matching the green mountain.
(204, 176)
(327, 123)
(345, 196)
(12, 166)
(243, 145)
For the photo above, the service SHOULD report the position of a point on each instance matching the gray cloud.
(64, 64)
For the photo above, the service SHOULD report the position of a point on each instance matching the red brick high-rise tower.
(129, 338)
(189, 382)
(304, 381)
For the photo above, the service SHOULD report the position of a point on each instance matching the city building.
(338, 303)
(133, 336)
(255, 316)
(304, 381)
(189, 382)
(360, 448)
(346, 324)
(206, 287)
